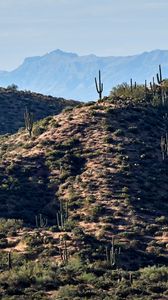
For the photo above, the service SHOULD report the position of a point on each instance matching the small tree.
(12, 87)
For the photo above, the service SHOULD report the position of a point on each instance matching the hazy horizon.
(35, 27)
(79, 54)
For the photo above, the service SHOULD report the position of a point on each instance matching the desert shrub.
(109, 128)
(10, 225)
(151, 228)
(128, 234)
(154, 274)
(90, 199)
(67, 292)
(79, 233)
(3, 243)
(87, 277)
(124, 91)
(69, 225)
(108, 140)
(27, 274)
(125, 189)
(12, 87)
(119, 132)
(38, 130)
(67, 109)
(161, 220)
(90, 103)
(34, 240)
(96, 211)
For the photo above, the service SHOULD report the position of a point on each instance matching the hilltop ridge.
(14, 102)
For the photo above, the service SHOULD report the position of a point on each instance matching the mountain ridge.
(68, 75)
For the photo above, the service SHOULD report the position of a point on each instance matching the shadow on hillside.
(25, 190)
(143, 174)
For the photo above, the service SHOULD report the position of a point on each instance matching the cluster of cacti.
(164, 146)
(62, 215)
(153, 87)
(64, 255)
(99, 86)
(112, 253)
(133, 87)
(160, 90)
(28, 117)
(155, 92)
(41, 221)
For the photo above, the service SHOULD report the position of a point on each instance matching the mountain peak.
(60, 52)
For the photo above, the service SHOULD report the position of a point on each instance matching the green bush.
(124, 91)
(154, 274)
(119, 132)
(162, 220)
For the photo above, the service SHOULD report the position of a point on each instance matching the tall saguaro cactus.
(113, 253)
(131, 85)
(163, 92)
(28, 117)
(62, 215)
(9, 261)
(99, 86)
(159, 75)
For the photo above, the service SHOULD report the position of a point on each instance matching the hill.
(69, 75)
(91, 188)
(13, 104)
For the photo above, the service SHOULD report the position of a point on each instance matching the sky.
(103, 27)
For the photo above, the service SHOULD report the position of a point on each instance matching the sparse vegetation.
(83, 206)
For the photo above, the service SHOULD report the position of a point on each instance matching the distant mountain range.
(71, 76)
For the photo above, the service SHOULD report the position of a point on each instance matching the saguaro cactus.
(159, 75)
(131, 84)
(64, 255)
(112, 254)
(9, 261)
(99, 86)
(62, 215)
(146, 89)
(41, 221)
(164, 146)
(28, 117)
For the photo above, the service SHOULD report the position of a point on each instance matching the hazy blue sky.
(102, 27)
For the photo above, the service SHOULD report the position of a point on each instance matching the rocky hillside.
(13, 104)
(104, 160)
(91, 189)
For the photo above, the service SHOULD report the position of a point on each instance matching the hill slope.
(71, 76)
(104, 162)
(13, 104)
(91, 188)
